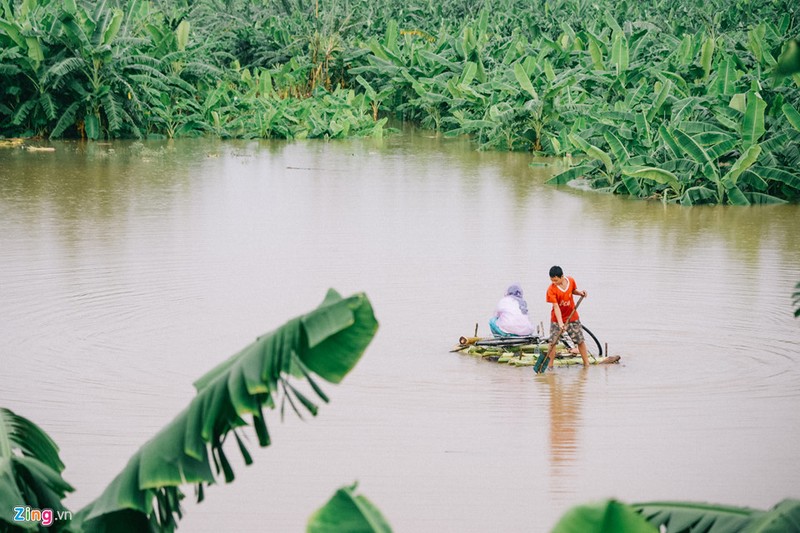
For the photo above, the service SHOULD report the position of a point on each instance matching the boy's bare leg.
(584, 353)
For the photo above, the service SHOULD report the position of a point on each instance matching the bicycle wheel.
(593, 345)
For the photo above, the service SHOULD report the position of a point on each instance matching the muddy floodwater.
(128, 269)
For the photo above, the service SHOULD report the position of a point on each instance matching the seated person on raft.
(511, 315)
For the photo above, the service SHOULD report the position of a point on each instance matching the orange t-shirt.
(562, 297)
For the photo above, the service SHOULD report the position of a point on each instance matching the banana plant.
(90, 35)
(31, 99)
(30, 472)
(724, 165)
(146, 495)
(328, 342)
(374, 97)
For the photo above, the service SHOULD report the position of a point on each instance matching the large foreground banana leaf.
(685, 517)
(145, 496)
(30, 471)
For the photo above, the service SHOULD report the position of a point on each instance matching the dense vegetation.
(695, 102)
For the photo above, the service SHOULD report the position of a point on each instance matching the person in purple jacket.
(511, 315)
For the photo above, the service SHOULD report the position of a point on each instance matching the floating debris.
(11, 143)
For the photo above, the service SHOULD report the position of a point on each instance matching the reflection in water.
(566, 399)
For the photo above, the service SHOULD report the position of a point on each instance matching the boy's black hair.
(556, 272)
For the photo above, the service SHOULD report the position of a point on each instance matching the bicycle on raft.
(539, 342)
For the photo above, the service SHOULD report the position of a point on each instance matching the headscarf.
(516, 292)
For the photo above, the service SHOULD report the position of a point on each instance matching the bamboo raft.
(523, 351)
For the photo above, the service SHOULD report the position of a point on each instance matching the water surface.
(129, 269)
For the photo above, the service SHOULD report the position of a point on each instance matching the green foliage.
(609, 515)
(30, 470)
(328, 342)
(683, 517)
(686, 89)
(347, 511)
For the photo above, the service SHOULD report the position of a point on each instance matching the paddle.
(540, 365)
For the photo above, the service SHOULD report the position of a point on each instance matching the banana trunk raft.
(521, 353)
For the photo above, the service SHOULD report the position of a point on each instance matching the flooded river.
(128, 269)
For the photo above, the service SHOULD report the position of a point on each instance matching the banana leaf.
(636, 95)
(592, 151)
(783, 517)
(30, 469)
(753, 122)
(524, 81)
(776, 174)
(468, 74)
(727, 76)
(757, 198)
(720, 149)
(696, 152)
(710, 138)
(729, 123)
(685, 50)
(596, 54)
(669, 140)
(657, 175)
(112, 26)
(565, 177)
(685, 108)
(439, 60)
(663, 92)
(600, 517)
(739, 102)
(328, 341)
(683, 517)
(632, 184)
(617, 148)
(620, 56)
(707, 55)
(745, 161)
(643, 129)
(792, 115)
(735, 195)
(693, 127)
(699, 194)
(346, 511)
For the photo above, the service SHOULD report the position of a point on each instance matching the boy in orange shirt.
(559, 293)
